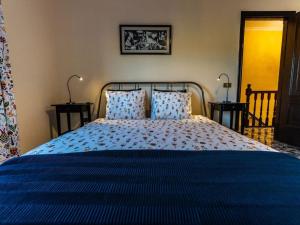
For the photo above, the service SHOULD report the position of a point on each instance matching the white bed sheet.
(199, 133)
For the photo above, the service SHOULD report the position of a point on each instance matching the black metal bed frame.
(153, 85)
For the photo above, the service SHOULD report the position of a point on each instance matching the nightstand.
(80, 108)
(237, 107)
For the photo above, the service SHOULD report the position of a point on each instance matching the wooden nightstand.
(80, 108)
(232, 107)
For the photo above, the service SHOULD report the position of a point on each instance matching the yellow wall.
(261, 60)
(262, 49)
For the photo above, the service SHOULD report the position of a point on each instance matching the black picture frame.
(159, 43)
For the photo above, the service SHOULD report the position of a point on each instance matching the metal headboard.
(153, 85)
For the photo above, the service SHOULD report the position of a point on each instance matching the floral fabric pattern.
(196, 134)
(125, 105)
(8, 119)
(171, 105)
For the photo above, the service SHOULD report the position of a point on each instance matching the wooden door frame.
(285, 15)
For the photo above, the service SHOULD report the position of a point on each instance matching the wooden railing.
(261, 113)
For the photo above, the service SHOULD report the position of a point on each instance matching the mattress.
(198, 133)
(151, 187)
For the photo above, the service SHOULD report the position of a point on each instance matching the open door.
(287, 128)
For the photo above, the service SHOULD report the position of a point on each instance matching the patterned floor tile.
(266, 136)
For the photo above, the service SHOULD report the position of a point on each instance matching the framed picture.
(146, 39)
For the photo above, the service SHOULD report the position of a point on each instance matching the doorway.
(260, 69)
(269, 71)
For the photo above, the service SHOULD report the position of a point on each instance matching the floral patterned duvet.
(199, 133)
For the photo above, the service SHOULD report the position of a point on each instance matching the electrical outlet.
(227, 85)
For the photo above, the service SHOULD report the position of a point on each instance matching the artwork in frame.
(146, 39)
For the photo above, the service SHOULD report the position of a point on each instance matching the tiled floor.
(266, 136)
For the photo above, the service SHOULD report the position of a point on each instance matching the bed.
(196, 134)
(188, 171)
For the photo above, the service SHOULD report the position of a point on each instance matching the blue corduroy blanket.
(151, 187)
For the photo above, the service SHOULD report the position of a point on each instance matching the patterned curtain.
(8, 119)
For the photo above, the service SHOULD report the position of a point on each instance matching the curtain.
(9, 138)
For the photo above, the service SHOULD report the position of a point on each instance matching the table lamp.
(225, 85)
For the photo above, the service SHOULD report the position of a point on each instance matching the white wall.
(86, 41)
(33, 57)
(205, 41)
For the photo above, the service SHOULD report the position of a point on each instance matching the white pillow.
(125, 105)
(171, 105)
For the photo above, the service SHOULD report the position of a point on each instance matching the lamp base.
(226, 101)
(70, 103)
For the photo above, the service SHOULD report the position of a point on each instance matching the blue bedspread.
(151, 187)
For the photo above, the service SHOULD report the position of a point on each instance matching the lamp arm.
(227, 92)
(226, 75)
(70, 78)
